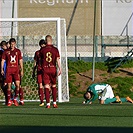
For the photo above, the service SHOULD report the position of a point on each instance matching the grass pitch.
(68, 117)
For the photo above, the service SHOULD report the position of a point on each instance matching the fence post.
(75, 46)
(102, 47)
(96, 45)
(23, 42)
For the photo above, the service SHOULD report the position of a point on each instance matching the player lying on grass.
(104, 91)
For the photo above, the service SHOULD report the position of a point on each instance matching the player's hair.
(12, 40)
(3, 43)
(86, 94)
(48, 37)
(7, 42)
(41, 42)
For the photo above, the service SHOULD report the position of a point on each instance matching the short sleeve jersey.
(1, 53)
(12, 57)
(49, 55)
(38, 60)
(98, 88)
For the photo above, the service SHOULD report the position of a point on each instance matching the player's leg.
(127, 99)
(54, 92)
(21, 95)
(109, 100)
(41, 94)
(46, 82)
(53, 77)
(40, 88)
(123, 100)
(8, 81)
(17, 83)
(9, 102)
(47, 95)
(16, 78)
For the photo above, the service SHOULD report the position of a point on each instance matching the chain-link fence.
(111, 46)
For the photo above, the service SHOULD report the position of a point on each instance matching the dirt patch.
(83, 80)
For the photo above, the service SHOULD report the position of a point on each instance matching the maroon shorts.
(12, 74)
(49, 75)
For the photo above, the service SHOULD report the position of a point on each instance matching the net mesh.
(28, 35)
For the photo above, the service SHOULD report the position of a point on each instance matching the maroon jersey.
(39, 68)
(12, 61)
(1, 52)
(12, 57)
(49, 55)
(38, 60)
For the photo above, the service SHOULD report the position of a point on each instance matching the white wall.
(6, 8)
(6, 12)
(115, 16)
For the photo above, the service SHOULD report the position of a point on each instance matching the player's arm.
(59, 66)
(21, 67)
(95, 96)
(101, 101)
(34, 69)
(2, 66)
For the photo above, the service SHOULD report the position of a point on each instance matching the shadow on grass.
(50, 129)
(128, 73)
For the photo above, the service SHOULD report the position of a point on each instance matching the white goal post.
(28, 32)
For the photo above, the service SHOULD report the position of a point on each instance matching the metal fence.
(82, 46)
(112, 46)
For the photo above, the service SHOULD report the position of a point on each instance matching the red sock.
(21, 94)
(54, 94)
(16, 93)
(47, 95)
(8, 95)
(41, 94)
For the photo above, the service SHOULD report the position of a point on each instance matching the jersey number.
(48, 57)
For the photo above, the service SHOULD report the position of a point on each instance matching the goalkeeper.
(104, 93)
(100, 91)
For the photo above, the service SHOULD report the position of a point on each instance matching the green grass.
(68, 117)
(123, 85)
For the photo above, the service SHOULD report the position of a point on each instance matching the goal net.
(28, 32)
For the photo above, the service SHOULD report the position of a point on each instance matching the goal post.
(28, 32)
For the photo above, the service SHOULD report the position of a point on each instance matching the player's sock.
(16, 93)
(47, 95)
(41, 94)
(21, 94)
(12, 95)
(110, 100)
(54, 93)
(8, 95)
(123, 100)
